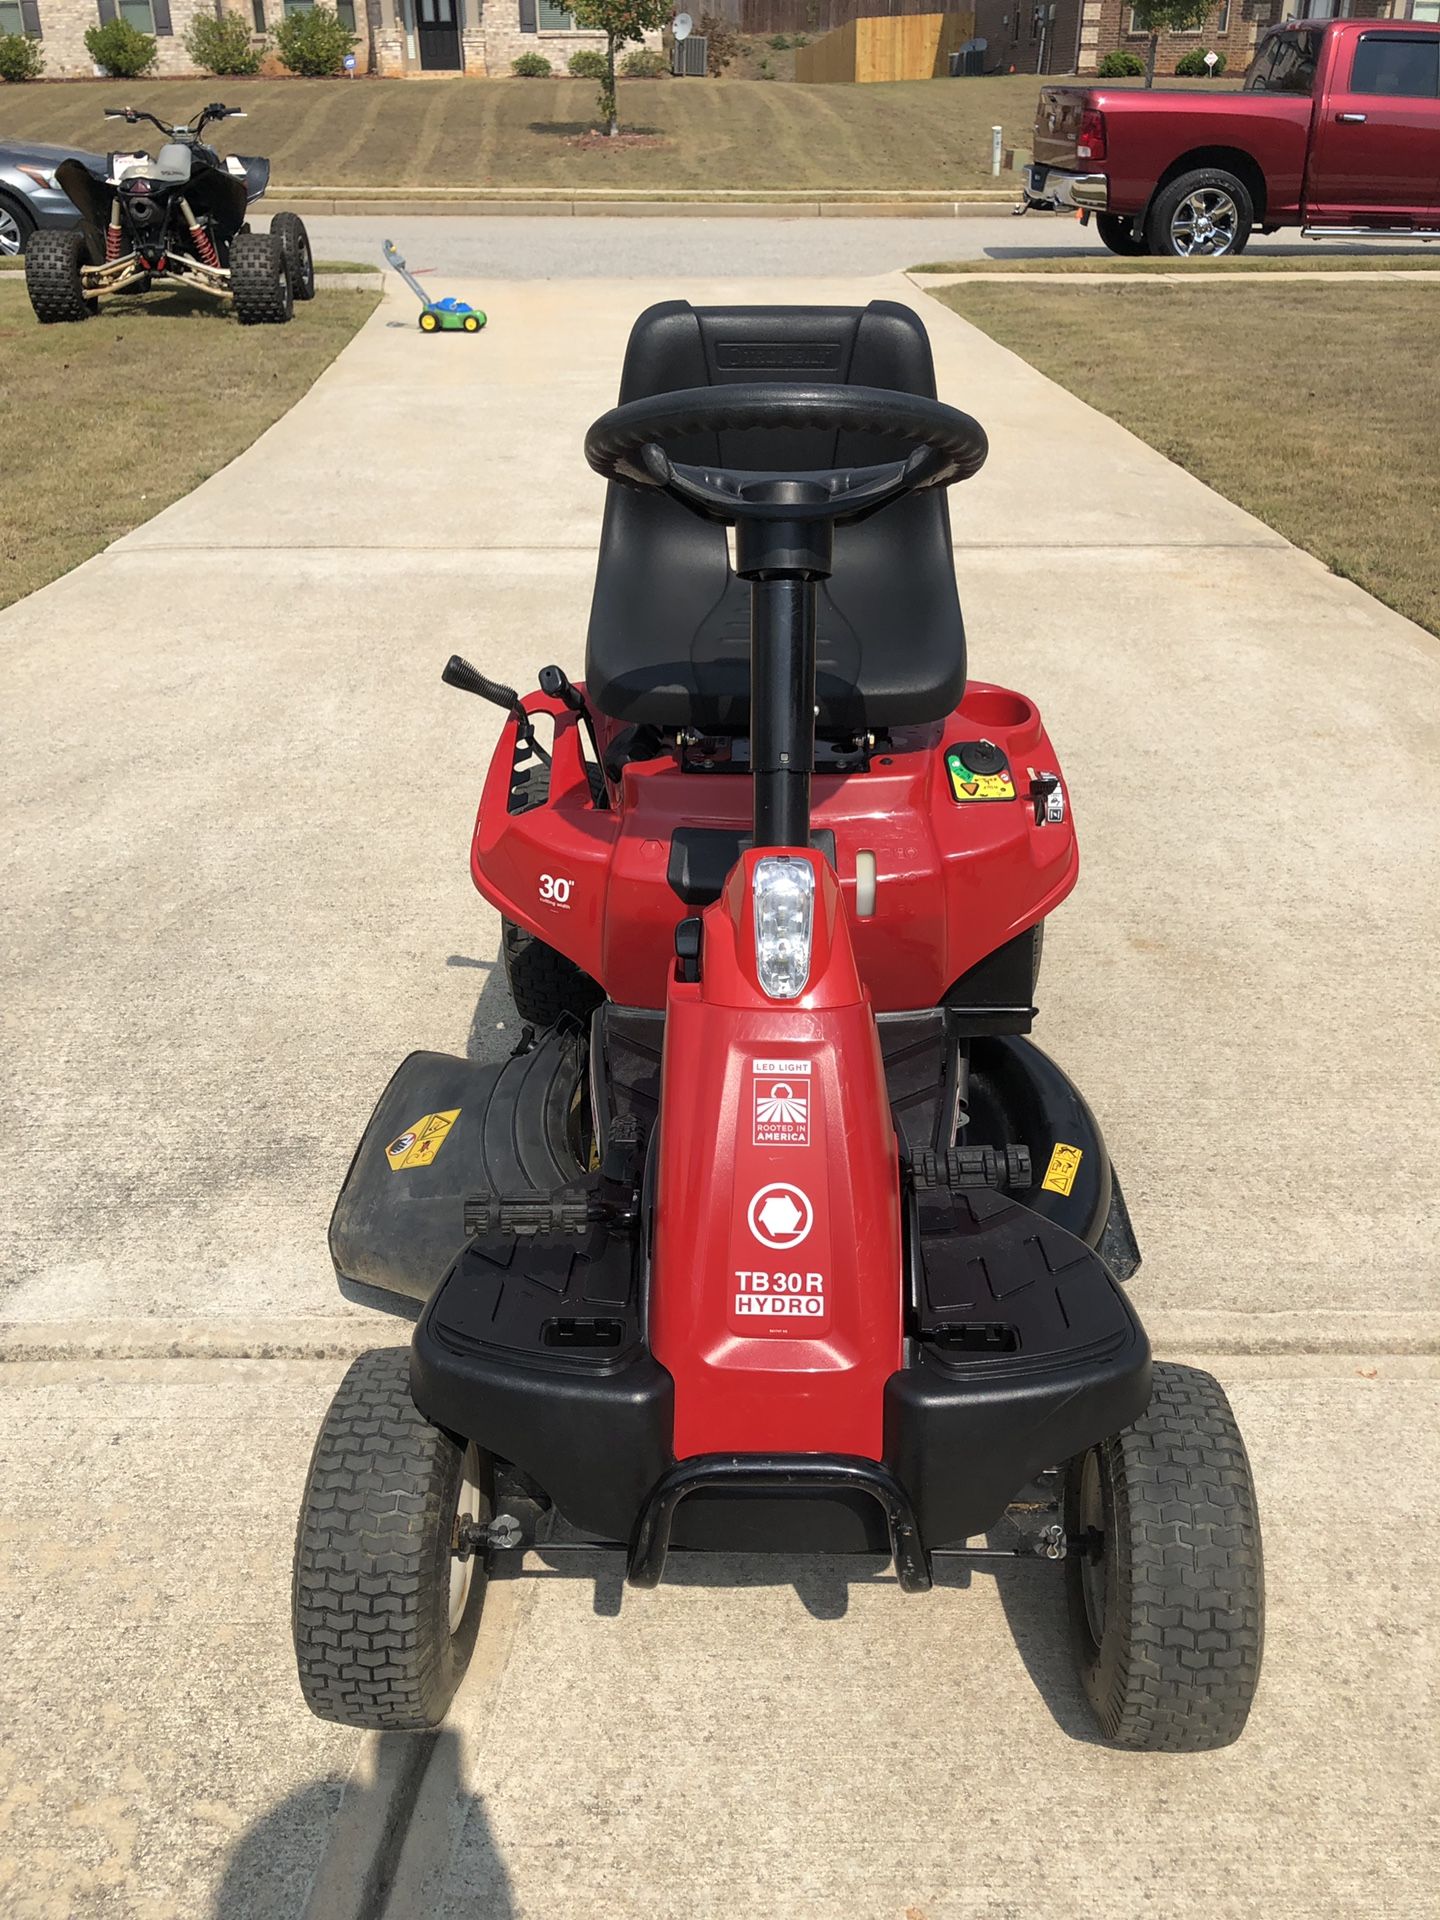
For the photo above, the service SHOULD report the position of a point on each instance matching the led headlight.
(784, 910)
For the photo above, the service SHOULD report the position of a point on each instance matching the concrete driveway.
(239, 803)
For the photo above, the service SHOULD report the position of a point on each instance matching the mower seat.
(669, 640)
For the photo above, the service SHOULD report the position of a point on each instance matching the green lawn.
(92, 442)
(1388, 258)
(730, 134)
(1264, 394)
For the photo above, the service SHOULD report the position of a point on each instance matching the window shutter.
(107, 12)
(161, 11)
(527, 16)
(30, 18)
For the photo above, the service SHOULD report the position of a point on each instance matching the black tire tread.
(262, 296)
(543, 983)
(53, 259)
(1121, 236)
(1189, 1575)
(382, 1482)
(298, 253)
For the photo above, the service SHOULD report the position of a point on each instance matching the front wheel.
(1121, 234)
(1167, 1590)
(260, 280)
(16, 226)
(386, 1600)
(299, 260)
(1201, 216)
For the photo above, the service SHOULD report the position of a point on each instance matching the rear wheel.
(1201, 216)
(385, 1609)
(543, 983)
(16, 226)
(260, 280)
(1167, 1591)
(298, 257)
(1121, 234)
(53, 261)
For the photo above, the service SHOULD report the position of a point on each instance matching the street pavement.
(615, 247)
(239, 803)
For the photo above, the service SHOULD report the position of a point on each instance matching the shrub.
(766, 72)
(1120, 65)
(313, 41)
(779, 42)
(530, 66)
(644, 63)
(588, 63)
(801, 40)
(1191, 66)
(20, 58)
(225, 45)
(122, 50)
(722, 43)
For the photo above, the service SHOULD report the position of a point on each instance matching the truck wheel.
(1202, 215)
(384, 1611)
(298, 257)
(1167, 1590)
(16, 226)
(260, 280)
(53, 261)
(1121, 234)
(543, 983)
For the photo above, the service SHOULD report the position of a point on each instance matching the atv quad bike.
(175, 221)
(781, 1236)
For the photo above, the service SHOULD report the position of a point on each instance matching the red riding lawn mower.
(776, 1234)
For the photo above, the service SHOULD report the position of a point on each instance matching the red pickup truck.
(1337, 131)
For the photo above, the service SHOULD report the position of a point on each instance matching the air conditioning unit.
(688, 56)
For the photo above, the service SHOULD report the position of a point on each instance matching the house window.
(257, 15)
(555, 19)
(298, 6)
(1222, 24)
(139, 13)
(1428, 10)
(345, 9)
(12, 20)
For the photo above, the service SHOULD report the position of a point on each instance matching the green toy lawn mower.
(436, 316)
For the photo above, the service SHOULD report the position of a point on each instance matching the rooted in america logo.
(782, 1103)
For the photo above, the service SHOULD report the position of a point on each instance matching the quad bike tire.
(1167, 1603)
(298, 256)
(1121, 235)
(543, 983)
(53, 261)
(260, 280)
(1221, 192)
(384, 1613)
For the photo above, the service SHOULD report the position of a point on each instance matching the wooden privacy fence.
(764, 17)
(914, 46)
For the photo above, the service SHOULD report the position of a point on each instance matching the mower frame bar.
(806, 1473)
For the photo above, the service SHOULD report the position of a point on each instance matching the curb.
(1245, 276)
(564, 208)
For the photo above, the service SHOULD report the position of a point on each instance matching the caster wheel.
(385, 1610)
(1167, 1593)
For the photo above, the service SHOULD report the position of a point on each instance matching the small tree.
(620, 21)
(722, 43)
(1167, 16)
(224, 45)
(122, 50)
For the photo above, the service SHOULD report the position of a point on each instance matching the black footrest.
(962, 1169)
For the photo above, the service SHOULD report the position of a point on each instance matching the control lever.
(458, 672)
(558, 684)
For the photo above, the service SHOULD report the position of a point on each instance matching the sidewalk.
(242, 803)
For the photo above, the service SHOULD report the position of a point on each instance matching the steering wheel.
(941, 446)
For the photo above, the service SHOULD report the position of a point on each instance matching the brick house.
(396, 37)
(1073, 36)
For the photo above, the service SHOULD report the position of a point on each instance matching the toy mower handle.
(629, 443)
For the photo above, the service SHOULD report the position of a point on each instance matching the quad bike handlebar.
(217, 110)
(628, 445)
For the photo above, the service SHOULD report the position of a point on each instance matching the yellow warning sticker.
(1063, 1167)
(982, 786)
(417, 1146)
